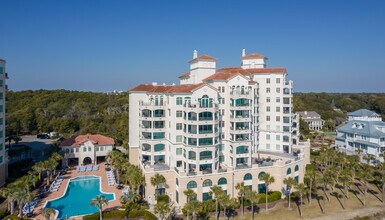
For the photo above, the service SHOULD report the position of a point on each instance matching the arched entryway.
(87, 160)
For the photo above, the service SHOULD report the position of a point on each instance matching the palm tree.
(301, 191)
(241, 192)
(39, 167)
(9, 192)
(190, 194)
(346, 181)
(162, 208)
(193, 206)
(48, 212)
(129, 197)
(366, 175)
(310, 174)
(22, 197)
(225, 201)
(253, 197)
(216, 191)
(156, 181)
(99, 201)
(289, 182)
(381, 179)
(268, 180)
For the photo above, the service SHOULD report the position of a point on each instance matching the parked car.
(43, 136)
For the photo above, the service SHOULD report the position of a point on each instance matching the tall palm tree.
(129, 197)
(310, 174)
(241, 192)
(22, 197)
(301, 191)
(253, 197)
(346, 181)
(190, 194)
(268, 180)
(9, 192)
(193, 207)
(39, 167)
(226, 202)
(381, 179)
(162, 208)
(47, 212)
(216, 191)
(99, 201)
(289, 182)
(156, 181)
(365, 175)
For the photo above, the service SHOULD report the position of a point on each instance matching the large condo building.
(217, 127)
(3, 154)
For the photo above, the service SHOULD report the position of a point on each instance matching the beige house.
(86, 149)
(217, 127)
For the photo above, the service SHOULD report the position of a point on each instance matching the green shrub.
(273, 196)
(142, 213)
(3, 213)
(106, 214)
(163, 198)
(11, 217)
(209, 205)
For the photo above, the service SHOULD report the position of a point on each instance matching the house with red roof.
(86, 149)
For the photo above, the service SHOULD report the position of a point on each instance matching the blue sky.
(326, 46)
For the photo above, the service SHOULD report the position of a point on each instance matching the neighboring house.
(215, 128)
(3, 153)
(313, 119)
(86, 149)
(364, 130)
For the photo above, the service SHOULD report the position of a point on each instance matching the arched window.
(222, 181)
(288, 171)
(204, 101)
(158, 147)
(191, 185)
(207, 183)
(260, 175)
(296, 168)
(146, 113)
(247, 176)
(146, 147)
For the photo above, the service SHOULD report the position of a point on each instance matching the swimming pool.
(76, 200)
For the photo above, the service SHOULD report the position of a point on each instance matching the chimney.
(243, 52)
(195, 54)
(154, 83)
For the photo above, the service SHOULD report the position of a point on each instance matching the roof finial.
(195, 54)
(243, 52)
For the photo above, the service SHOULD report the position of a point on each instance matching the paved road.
(37, 145)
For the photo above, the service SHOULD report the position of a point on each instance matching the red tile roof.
(230, 72)
(253, 56)
(185, 88)
(186, 75)
(204, 57)
(98, 139)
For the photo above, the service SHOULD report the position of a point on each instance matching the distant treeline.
(74, 112)
(333, 106)
(68, 112)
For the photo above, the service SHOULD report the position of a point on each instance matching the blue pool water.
(76, 201)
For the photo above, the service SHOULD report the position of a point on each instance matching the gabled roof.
(185, 88)
(363, 112)
(185, 75)
(366, 128)
(254, 56)
(204, 57)
(96, 139)
(227, 73)
(309, 114)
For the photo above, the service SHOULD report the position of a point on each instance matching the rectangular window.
(268, 80)
(277, 109)
(286, 100)
(268, 108)
(179, 114)
(1, 146)
(1, 134)
(221, 159)
(77, 150)
(286, 119)
(267, 118)
(277, 100)
(1, 108)
(286, 128)
(268, 127)
(278, 90)
(89, 148)
(277, 80)
(1, 159)
(268, 99)
(158, 135)
(267, 90)
(179, 138)
(278, 137)
(205, 141)
(179, 151)
(267, 146)
(277, 118)
(179, 126)
(267, 136)
(97, 148)
(1, 121)
(278, 147)
(1, 83)
(277, 128)
(179, 101)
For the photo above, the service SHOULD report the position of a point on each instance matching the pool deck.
(71, 173)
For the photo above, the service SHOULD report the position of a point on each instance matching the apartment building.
(3, 153)
(217, 127)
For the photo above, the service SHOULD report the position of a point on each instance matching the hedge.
(273, 196)
(119, 214)
(163, 198)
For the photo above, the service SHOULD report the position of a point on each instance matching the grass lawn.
(333, 208)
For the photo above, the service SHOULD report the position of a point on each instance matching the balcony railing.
(234, 92)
